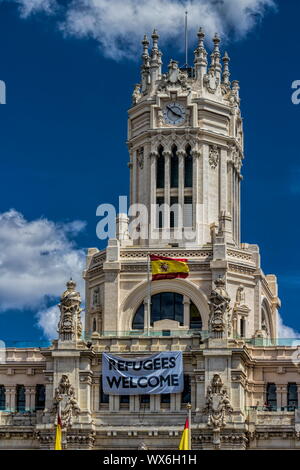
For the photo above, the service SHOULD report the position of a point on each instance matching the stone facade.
(243, 386)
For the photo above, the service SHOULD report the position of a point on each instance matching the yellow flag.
(184, 443)
(58, 433)
(168, 268)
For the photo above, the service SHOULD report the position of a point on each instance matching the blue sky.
(63, 139)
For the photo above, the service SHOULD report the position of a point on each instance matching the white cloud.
(47, 320)
(286, 332)
(36, 259)
(29, 7)
(119, 25)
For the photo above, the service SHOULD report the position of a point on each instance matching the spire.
(145, 55)
(215, 57)
(200, 56)
(155, 62)
(145, 64)
(226, 71)
(155, 38)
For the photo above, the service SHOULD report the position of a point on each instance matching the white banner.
(157, 374)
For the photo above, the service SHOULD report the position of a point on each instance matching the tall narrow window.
(144, 401)
(186, 394)
(159, 212)
(243, 327)
(292, 401)
(160, 169)
(103, 397)
(174, 168)
(40, 397)
(165, 398)
(2, 398)
(124, 400)
(20, 398)
(188, 211)
(174, 212)
(188, 168)
(94, 325)
(271, 397)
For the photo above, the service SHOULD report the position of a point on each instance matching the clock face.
(174, 113)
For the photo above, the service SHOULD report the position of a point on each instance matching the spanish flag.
(168, 268)
(184, 443)
(58, 434)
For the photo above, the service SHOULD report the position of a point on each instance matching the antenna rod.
(186, 40)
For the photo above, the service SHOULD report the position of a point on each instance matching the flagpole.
(148, 294)
(189, 408)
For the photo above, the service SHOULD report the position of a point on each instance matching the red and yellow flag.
(168, 268)
(58, 434)
(184, 443)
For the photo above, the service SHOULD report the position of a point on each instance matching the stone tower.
(185, 139)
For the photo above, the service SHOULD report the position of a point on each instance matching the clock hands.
(172, 111)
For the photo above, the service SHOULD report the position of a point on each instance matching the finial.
(201, 35)
(226, 72)
(155, 38)
(216, 39)
(145, 44)
(215, 57)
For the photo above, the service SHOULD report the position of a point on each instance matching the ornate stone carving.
(96, 297)
(140, 157)
(174, 78)
(70, 326)
(136, 95)
(214, 156)
(217, 407)
(65, 398)
(219, 306)
(211, 82)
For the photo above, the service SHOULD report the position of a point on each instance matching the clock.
(174, 113)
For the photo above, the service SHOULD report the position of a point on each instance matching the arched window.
(2, 398)
(174, 168)
(167, 306)
(138, 321)
(195, 318)
(94, 325)
(20, 405)
(160, 169)
(40, 397)
(188, 168)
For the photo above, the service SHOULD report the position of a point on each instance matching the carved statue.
(219, 307)
(136, 95)
(70, 326)
(214, 156)
(65, 398)
(96, 297)
(217, 404)
(240, 296)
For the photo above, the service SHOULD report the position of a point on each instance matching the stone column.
(29, 398)
(152, 211)
(10, 393)
(181, 185)
(186, 311)
(167, 156)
